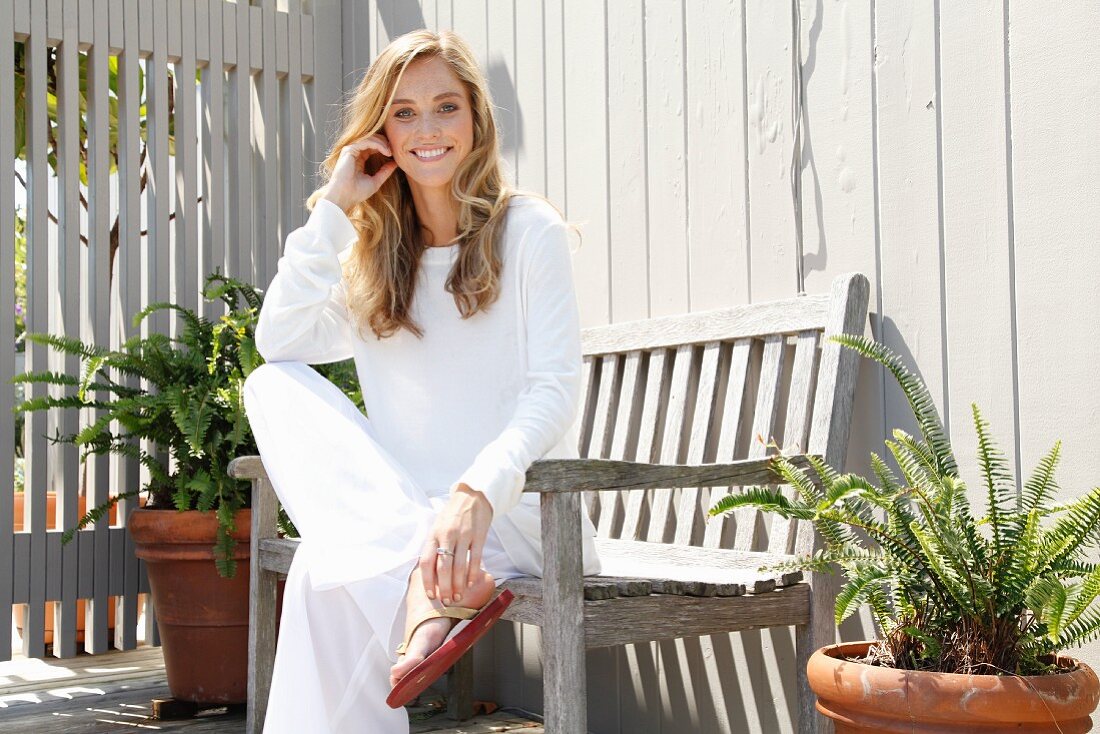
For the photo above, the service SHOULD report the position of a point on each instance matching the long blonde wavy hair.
(381, 273)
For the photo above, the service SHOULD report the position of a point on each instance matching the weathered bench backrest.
(705, 387)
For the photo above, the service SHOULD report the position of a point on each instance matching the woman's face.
(430, 125)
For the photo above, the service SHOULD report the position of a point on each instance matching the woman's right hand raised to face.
(350, 183)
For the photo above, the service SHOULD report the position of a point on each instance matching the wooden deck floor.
(113, 693)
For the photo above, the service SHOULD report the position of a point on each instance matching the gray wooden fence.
(232, 92)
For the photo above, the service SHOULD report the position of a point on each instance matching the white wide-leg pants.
(363, 521)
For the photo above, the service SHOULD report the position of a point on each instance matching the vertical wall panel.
(907, 155)
(666, 154)
(979, 342)
(1054, 93)
(530, 87)
(501, 72)
(556, 103)
(717, 216)
(586, 194)
(627, 135)
(772, 256)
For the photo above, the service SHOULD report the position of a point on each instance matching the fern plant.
(191, 410)
(950, 592)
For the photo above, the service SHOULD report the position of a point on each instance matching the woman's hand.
(461, 527)
(350, 182)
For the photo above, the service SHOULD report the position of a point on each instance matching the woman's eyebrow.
(437, 97)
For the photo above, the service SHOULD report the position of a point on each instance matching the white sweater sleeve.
(548, 404)
(304, 316)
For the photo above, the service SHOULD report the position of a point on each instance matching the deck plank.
(112, 692)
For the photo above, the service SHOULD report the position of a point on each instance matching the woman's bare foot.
(430, 635)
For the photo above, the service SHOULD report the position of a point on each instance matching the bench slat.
(640, 619)
(661, 518)
(576, 475)
(637, 500)
(737, 322)
(689, 513)
(630, 393)
(731, 427)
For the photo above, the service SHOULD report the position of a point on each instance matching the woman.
(454, 295)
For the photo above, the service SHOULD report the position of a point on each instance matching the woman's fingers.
(445, 574)
(458, 576)
(474, 569)
(427, 569)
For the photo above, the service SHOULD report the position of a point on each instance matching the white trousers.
(363, 521)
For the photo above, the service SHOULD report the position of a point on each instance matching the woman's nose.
(429, 127)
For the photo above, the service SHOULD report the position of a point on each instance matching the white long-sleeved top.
(474, 400)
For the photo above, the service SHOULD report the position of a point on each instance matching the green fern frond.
(1040, 487)
(920, 400)
(855, 593)
(762, 498)
(66, 344)
(1000, 486)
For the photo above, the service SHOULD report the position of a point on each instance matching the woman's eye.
(451, 106)
(399, 113)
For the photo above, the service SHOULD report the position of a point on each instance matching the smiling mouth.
(434, 155)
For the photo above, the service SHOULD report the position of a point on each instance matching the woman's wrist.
(344, 206)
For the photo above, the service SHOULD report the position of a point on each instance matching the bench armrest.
(582, 475)
(246, 467)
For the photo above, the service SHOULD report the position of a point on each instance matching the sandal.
(428, 670)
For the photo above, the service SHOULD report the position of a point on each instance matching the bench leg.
(808, 638)
(460, 689)
(563, 659)
(261, 608)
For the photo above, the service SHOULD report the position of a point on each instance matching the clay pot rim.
(839, 682)
(155, 525)
(838, 652)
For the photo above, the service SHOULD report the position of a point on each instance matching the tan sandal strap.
(451, 612)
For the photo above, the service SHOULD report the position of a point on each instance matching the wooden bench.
(673, 407)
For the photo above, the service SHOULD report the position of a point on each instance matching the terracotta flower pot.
(51, 524)
(868, 698)
(202, 617)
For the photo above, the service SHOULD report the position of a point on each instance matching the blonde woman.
(453, 292)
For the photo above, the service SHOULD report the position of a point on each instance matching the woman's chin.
(436, 180)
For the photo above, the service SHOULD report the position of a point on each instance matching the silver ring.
(444, 552)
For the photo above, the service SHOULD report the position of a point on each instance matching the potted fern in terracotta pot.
(194, 529)
(973, 610)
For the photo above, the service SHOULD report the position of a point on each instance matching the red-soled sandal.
(428, 670)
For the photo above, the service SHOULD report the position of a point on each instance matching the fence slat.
(267, 198)
(213, 150)
(97, 280)
(240, 148)
(68, 268)
(38, 297)
(187, 276)
(129, 273)
(290, 138)
(7, 326)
